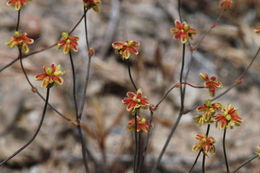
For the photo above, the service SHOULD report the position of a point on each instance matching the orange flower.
(68, 43)
(20, 40)
(258, 151)
(135, 101)
(183, 31)
(18, 4)
(94, 4)
(50, 76)
(125, 49)
(226, 4)
(208, 109)
(228, 117)
(205, 143)
(142, 125)
(257, 30)
(211, 83)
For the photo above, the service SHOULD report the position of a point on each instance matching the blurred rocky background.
(225, 52)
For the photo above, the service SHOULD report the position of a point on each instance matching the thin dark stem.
(130, 75)
(83, 144)
(83, 98)
(139, 152)
(74, 85)
(18, 20)
(81, 18)
(224, 150)
(136, 144)
(195, 162)
(179, 9)
(174, 127)
(209, 30)
(204, 155)
(246, 162)
(203, 162)
(36, 132)
(175, 86)
(147, 141)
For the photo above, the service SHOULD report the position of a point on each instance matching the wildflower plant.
(125, 49)
(228, 118)
(207, 112)
(92, 4)
(211, 83)
(135, 101)
(17, 4)
(68, 43)
(21, 41)
(142, 125)
(50, 76)
(183, 31)
(226, 4)
(206, 144)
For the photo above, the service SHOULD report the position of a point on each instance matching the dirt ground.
(225, 52)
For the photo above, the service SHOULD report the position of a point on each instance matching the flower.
(226, 4)
(183, 31)
(206, 144)
(18, 4)
(135, 101)
(142, 125)
(211, 83)
(92, 4)
(258, 151)
(20, 40)
(125, 49)
(208, 110)
(68, 43)
(257, 30)
(228, 117)
(50, 76)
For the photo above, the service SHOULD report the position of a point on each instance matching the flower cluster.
(183, 32)
(142, 125)
(94, 4)
(20, 40)
(257, 30)
(258, 151)
(50, 76)
(206, 144)
(68, 43)
(17, 4)
(226, 4)
(211, 83)
(124, 49)
(134, 102)
(207, 111)
(228, 117)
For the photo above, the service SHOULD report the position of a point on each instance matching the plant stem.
(174, 127)
(224, 150)
(130, 75)
(83, 98)
(36, 132)
(246, 162)
(83, 144)
(147, 141)
(136, 144)
(195, 161)
(203, 162)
